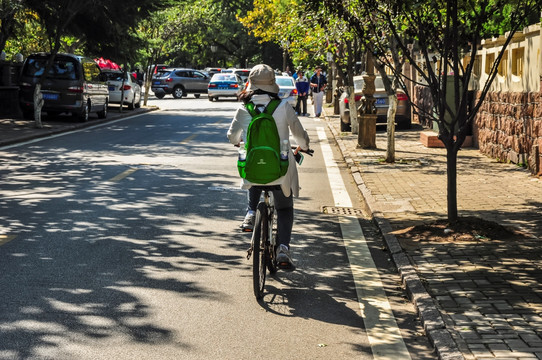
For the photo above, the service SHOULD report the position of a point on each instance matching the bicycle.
(263, 244)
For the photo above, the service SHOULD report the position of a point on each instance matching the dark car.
(179, 82)
(74, 84)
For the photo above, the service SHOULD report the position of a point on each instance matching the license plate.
(223, 87)
(381, 101)
(157, 83)
(111, 87)
(47, 96)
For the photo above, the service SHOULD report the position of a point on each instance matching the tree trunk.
(392, 110)
(451, 174)
(38, 104)
(354, 125)
(124, 73)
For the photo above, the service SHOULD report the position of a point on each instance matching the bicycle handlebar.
(297, 149)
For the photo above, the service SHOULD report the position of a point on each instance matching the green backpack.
(263, 163)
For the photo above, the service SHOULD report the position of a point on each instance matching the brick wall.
(508, 127)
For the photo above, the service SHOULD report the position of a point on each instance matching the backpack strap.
(271, 106)
(252, 109)
(269, 109)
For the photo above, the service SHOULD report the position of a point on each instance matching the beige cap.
(262, 77)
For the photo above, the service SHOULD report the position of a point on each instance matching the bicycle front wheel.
(259, 239)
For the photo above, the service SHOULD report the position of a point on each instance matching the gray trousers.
(285, 212)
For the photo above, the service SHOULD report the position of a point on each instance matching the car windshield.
(379, 84)
(223, 77)
(113, 76)
(285, 81)
(61, 68)
(160, 74)
(242, 72)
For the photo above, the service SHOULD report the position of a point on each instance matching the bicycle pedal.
(286, 266)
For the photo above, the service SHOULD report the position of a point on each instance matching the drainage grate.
(336, 210)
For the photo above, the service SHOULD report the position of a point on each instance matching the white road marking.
(382, 330)
(122, 175)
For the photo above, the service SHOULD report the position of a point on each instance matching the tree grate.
(337, 210)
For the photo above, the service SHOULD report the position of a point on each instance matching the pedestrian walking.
(318, 85)
(302, 85)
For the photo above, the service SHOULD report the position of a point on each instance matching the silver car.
(179, 82)
(287, 89)
(132, 90)
(402, 117)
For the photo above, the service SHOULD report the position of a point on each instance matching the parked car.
(74, 84)
(212, 70)
(179, 82)
(402, 116)
(132, 90)
(287, 89)
(243, 73)
(224, 85)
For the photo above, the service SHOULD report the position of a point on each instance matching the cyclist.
(260, 90)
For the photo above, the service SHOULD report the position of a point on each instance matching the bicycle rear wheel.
(270, 248)
(259, 253)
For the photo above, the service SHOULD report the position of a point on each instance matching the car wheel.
(83, 115)
(138, 103)
(28, 114)
(196, 96)
(215, 98)
(345, 126)
(103, 113)
(131, 106)
(53, 114)
(211, 98)
(404, 123)
(160, 95)
(178, 92)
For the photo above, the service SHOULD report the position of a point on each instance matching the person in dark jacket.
(302, 85)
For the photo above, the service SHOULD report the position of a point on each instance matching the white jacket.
(287, 121)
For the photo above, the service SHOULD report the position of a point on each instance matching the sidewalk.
(477, 300)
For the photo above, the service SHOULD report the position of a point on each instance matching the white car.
(224, 85)
(132, 90)
(287, 89)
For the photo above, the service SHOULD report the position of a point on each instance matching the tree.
(87, 19)
(444, 32)
(9, 19)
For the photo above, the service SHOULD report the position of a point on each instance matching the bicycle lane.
(373, 302)
(374, 284)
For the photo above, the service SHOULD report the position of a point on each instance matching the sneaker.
(284, 260)
(248, 223)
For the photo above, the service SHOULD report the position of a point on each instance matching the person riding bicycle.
(261, 89)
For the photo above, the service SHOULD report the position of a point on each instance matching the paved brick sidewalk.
(478, 300)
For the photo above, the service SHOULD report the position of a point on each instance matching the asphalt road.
(121, 241)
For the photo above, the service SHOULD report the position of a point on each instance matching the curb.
(42, 133)
(430, 316)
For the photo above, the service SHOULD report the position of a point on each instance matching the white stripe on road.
(382, 330)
